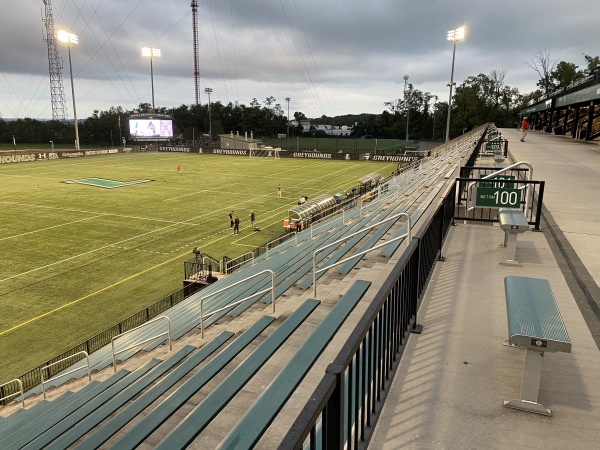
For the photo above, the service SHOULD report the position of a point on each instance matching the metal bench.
(513, 222)
(203, 413)
(149, 423)
(534, 324)
(123, 417)
(259, 416)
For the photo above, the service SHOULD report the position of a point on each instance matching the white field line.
(48, 228)
(83, 211)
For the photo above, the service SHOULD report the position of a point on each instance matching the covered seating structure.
(303, 215)
(368, 182)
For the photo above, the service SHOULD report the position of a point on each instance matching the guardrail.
(87, 363)
(137, 344)
(231, 305)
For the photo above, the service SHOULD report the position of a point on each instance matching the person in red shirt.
(524, 127)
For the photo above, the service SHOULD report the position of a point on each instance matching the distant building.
(330, 130)
(237, 142)
(304, 123)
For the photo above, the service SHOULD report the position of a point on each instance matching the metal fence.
(473, 174)
(346, 404)
(33, 377)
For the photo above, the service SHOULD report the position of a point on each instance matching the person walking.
(252, 217)
(524, 127)
(231, 219)
(279, 191)
(178, 169)
(236, 225)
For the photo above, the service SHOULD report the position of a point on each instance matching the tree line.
(478, 99)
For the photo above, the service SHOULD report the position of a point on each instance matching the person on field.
(252, 217)
(178, 169)
(231, 219)
(236, 225)
(524, 127)
(279, 191)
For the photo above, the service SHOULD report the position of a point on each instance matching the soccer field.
(78, 258)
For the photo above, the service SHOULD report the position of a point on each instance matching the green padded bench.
(513, 222)
(534, 324)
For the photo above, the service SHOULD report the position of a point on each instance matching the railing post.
(333, 420)
(417, 328)
(538, 214)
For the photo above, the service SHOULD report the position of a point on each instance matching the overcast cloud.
(331, 57)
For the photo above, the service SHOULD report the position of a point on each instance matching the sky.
(330, 57)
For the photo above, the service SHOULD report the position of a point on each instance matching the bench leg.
(530, 386)
(510, 242)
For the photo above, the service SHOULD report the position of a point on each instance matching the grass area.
(78, 259)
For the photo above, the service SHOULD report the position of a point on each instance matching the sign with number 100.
(499, 198)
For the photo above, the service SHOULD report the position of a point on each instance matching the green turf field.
(87, 242)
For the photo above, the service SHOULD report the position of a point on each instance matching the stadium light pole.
(458, 34)
(407, 97)
(209, 91)
(152, 53)
(69, 38)
(287, 99)
(435, 99)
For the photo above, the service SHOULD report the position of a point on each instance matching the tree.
(565, 73)
(593, 62)
(543, 64)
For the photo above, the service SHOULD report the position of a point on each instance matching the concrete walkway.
(450, 386)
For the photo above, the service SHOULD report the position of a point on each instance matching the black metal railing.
(479, 213)
(346, 404)
(32, 378)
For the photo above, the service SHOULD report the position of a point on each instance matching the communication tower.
(57, 90)
(196, 62)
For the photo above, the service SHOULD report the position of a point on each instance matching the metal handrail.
(87, 359)
(345, 238)
(153, 338)
(20, 383)
(512, 166)
(204, 258)
(229, 306)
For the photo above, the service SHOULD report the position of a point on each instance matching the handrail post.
(202, 317)
(273, 290)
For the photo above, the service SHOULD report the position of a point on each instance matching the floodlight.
(67, 38)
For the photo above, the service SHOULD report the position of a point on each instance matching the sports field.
(79, 253)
